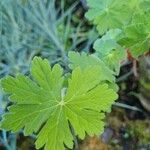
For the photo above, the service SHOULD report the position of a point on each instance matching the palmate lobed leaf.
(137, 35)
(130, 17)
(41, 105)
(139, 6)
(108, 14)
(109, 51)
(112, 14)
(84, 60)
(137, 39)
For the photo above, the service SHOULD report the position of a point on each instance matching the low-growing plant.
(56, 110)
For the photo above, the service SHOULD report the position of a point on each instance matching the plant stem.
(4, 136)
(13, 141)
(127, 106)
(125, 76)
(4, 141)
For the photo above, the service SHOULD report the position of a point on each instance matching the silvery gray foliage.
(36, 27)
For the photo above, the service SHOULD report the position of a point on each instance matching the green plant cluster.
(128, 19)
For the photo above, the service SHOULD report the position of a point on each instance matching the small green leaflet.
(84, 60)
(137, 35)
(139, 6)
(113, 34)
(137, 39)
(108, 14)
(104, 47)
(43, 105)
(109, 51)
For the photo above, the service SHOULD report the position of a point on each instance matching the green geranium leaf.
(108, 14)
(114, 59)
(137, 39)
(139, 6)
(104, 47)
(109, 51)
(132, 20)
(84, 60)
(113, 34)
(42, 105)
